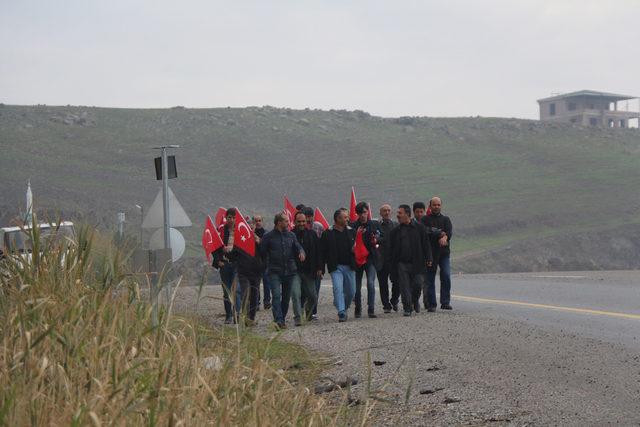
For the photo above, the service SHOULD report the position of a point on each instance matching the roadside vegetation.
(79, 348)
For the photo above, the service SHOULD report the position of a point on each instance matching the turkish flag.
(221, 217)
(352, 206)
(290, 211)
(211, 240)
(318, 217)
(243, 237)
(360, 250)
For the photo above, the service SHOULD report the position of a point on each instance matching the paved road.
(602, 305)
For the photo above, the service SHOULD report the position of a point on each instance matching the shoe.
(395, 307)
(297, 322)
(416, 307)
(250, 323)
(431, 308)
(446, 307)
(267, 305)
(387, 310)
(342, 317)
(406, 314)
(372, 315)
(228, 321)
(314, 317)
(281, 326)
(358, 314)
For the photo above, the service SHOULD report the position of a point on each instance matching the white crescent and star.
(242, 225)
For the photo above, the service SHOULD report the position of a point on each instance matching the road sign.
(177, 242)
(155, 216)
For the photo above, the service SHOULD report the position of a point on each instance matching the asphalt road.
(601, 305)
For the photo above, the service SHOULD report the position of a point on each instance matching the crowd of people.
(404, 256)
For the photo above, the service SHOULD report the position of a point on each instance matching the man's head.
(385, 212)
(300, 221)
(308, 214)
(419, 209)
(257, 220)
(281, 221)
(340, 217)
(404, 214)
(300, 207)
(230, 216)
(436, 205)
(362, 210)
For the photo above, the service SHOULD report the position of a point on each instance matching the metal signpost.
(165, 200)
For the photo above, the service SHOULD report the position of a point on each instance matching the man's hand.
(227, 250)
(220, 264)
(301, 257)
(429, 263)
(444, 241)
(319, 274)
(257, 239)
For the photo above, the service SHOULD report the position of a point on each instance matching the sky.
(490, 58)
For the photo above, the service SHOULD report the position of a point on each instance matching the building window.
(552, 109)
(572, 106)
(611, 123)
(593, 121)
(622, 123)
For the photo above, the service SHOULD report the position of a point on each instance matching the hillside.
(523, 195)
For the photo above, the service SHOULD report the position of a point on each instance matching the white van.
(16, 240)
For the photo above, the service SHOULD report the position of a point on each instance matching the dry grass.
(78, 348)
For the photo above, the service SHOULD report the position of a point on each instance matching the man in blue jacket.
(280, 248)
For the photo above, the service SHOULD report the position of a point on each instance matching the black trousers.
(410, 285)
(250, 289)
(384, 275)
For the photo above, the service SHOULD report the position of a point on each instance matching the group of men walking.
(403, 255)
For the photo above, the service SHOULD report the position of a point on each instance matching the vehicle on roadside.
(16, 241)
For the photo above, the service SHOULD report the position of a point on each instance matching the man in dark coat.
(384, 273)
(371, 233)
(337, 254)
(311, 267)
(224, 261)
(410, 257)
(281, 249)
(441, 257)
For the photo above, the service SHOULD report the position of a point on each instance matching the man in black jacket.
(224, 261)
(441, 254)
(311, 267)
(280, 248)
(337, 254)
(410, 256)
(250, 269)
(371, 233)
(386, 225)
(259, 230)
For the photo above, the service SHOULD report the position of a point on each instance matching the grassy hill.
(522, 194)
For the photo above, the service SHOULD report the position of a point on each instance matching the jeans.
(281, 291)
(445, 283)
(315, 307)
(343, 280)
(292, 293)
(383, 284)
(309, 295)
(266, 289)
(370, 269)
(410, 285)
(250, 289)
(227, 274)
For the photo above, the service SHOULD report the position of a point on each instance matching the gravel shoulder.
(462, 368)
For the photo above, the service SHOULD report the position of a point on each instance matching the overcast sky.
(390, 58)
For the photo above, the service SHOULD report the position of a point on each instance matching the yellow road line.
(551, 307)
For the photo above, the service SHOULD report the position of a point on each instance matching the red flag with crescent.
(290, 211)
(360, 250)
(243, 237)
(211, 240)
(318, 217)
(352, 206)
(221, 217)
